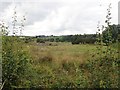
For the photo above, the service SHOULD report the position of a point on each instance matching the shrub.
(104, 72)
(40, 41)
(14, 61)
(27, 40)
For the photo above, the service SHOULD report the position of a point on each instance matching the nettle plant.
(104, 66)
(14, 58)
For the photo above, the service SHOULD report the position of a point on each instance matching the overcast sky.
(58, 17)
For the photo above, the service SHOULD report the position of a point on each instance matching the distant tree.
(27, 40)
(40, 40)
(57, 39)
(51, 39)
(75, 39)
(82, 39)
(114, 33)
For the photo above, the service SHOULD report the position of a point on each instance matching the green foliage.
(57, 39)
(14, 60)
(104, 72)
(114, 34)
(83, 39)
(64, 66)
(51, 39)
(27, 39)
(74, 39)
(104, 69)
(40, 40)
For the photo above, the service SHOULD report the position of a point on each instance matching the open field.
(63, 51)
(67, 65)
(58, 45)
(59, 51)
(59, 64)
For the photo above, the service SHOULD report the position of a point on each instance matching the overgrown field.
(91, 61)
(58, 64)
(66, 65)
(59, 52)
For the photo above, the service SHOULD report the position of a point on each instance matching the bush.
(104, 73)
(14, 61)
(40, 41)
(27, 40)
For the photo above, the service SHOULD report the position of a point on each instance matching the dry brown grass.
(62, 52)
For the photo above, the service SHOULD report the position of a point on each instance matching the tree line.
(83, 39)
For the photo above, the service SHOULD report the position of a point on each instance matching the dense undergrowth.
(14, 61)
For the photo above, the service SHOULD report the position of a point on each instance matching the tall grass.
(72, 66)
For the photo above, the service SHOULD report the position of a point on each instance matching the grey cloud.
(38, 11)
(78, 17)
(3, 6)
